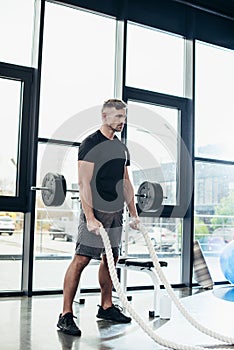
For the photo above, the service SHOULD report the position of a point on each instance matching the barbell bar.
(54, 189)
(33, 188)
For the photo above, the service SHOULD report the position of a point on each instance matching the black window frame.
(25, 75)
(180, 103)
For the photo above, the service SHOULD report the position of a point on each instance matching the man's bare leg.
(107, 310)
(71, 281)
(105, 283)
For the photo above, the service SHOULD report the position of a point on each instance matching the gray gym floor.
(30, 323)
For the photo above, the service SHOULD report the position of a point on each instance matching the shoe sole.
(109, 319)
(78, 334)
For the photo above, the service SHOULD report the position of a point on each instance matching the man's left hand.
(135, 223)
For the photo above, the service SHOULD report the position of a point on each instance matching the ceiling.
(223, 7)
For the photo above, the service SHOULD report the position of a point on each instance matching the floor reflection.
(30, 323)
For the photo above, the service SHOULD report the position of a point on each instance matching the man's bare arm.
(85, 171)
(129, 197)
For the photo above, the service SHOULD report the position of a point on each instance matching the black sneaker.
(67, 324)
(113, 313)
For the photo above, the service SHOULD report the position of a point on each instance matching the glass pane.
(10, 113)
(166, 236)
(214, 102)
(155, 60)
(214, 208)
(153, 142)
(56, 227)
(77, 71)
(11, 242)
(16, 28)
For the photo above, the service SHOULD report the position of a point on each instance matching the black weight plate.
(56, 193)
(150, 196)
(146, 194)
(159, 195)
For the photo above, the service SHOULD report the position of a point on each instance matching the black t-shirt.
(109, 158)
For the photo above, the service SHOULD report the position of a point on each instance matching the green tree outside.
(224, 213)
(200, 229)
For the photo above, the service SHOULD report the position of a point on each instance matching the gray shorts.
(91, 245)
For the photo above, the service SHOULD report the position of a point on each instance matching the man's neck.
(107, 132)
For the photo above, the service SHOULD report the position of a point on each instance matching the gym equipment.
(149, 196)
(54, 189)
(227, 262)
(144, 265)
(172, 295)
(201, 271)
(225, 293)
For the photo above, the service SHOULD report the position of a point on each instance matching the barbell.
(54, 190)
(149, 196)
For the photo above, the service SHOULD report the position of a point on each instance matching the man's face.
(114, 118)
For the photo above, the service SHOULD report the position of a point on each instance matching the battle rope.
(134, 314)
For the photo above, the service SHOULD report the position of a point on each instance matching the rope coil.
(148, 330)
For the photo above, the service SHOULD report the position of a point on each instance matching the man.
(104, 187)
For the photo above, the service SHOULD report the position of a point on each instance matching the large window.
(154, 143)
(10, 117)
(214, 208)
(56, 228)
(78, 73)
(214, 176)
(77, 70)
(153, 139)
(155, 68)
(155, 60)
(16, 27)
(11, 243)
(214, 102)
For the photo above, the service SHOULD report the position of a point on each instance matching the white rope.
(148, 330)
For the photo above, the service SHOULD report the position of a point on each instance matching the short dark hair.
(114, 103)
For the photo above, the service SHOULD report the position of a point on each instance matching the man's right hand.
(93, 225)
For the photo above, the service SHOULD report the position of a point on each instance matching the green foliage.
(223, 210)
(200, 229)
